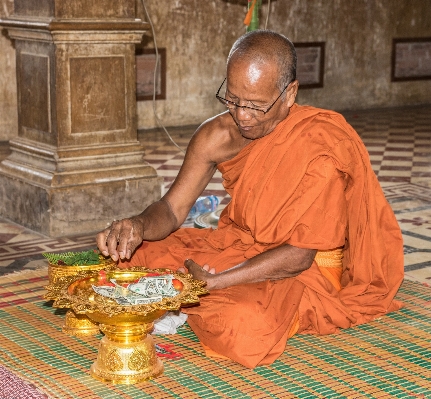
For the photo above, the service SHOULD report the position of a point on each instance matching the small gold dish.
(60, 276)
(127, 354)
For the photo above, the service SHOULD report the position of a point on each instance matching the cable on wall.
(267, 14)
(159, 122)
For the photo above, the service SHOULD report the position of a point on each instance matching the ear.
(292, 91)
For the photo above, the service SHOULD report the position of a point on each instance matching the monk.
(308, 243)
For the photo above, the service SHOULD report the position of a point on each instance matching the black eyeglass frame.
(225, 102)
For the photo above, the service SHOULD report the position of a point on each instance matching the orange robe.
(310, 184)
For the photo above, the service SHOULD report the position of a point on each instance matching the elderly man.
(308, 243)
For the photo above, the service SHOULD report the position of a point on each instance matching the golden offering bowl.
(127, 354)
(60, 276)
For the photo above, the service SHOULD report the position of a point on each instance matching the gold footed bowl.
(60, 276)
(127, 353)
(79, 325)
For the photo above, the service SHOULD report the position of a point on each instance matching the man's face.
(255, 85)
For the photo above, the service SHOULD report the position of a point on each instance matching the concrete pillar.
(76, 163)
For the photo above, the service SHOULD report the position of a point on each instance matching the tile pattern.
(399, 144)
(166, 158)
(398, 141)
(21, 248)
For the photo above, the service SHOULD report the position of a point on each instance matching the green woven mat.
(388, 358)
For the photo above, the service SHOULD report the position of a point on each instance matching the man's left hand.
(203, 273)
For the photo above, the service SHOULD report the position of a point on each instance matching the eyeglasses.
(254, 111)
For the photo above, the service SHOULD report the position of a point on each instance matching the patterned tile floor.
(399, 143)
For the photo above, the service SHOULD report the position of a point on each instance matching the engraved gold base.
(127, 355)
(79, 325)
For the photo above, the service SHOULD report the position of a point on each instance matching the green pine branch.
(82, 258)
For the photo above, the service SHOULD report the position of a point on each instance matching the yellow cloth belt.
(331, 265)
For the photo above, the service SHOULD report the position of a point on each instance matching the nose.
(242, 114)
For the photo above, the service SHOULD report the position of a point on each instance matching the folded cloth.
(168, 323)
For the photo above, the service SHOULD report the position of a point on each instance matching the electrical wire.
(267, 13)
(159, 122)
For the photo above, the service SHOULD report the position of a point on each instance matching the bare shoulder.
(217, 139)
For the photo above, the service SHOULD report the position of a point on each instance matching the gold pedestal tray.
(127, 354)
(60, 276)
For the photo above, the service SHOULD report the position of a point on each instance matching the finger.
(212, 270)
(112, 240)
(188, 262)
(206, 267)
(132, 244)
(131, 236)
(127, 242)
(191, 265)
(101, 242)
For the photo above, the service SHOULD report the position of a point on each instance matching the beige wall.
(198, 34)
(358, 36)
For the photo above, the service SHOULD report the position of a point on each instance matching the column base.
(73, 210)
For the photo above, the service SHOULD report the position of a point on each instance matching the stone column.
(76, 163)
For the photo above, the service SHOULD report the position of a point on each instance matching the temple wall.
(198, 34)
(358, 38)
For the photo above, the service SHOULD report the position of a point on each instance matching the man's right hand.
(121, 238)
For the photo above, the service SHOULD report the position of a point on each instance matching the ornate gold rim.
(81, 304)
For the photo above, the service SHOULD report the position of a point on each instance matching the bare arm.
(161, 218)
(211, 144)
(278, 263)
(123, 236)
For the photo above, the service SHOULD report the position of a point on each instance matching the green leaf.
(82, 258)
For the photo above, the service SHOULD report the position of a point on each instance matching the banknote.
(104, 290)
(144, 291)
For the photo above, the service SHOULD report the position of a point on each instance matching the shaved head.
(263, 47)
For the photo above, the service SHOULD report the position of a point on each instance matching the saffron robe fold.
(310, 184)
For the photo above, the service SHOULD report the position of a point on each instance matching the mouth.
(245, 128)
